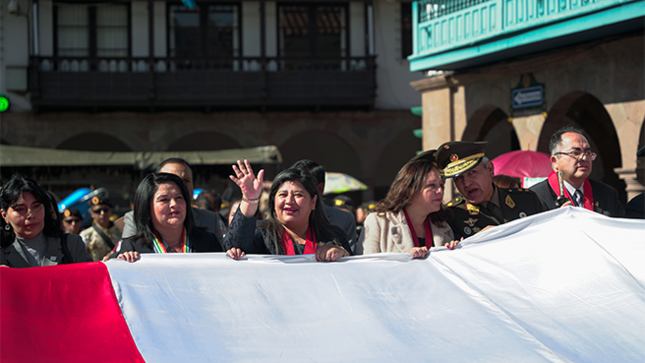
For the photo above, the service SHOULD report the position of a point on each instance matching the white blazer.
(390, 233)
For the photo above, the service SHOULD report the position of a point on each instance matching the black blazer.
(243, 234)
(605, 198)
(200, 240)
(57, 254)
(635, 208)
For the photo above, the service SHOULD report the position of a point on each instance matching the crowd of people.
(289, 217)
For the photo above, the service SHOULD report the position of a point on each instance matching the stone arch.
(204, 141)
(586, 112)
(393, 156)
(490, 123)
(327, 149)
(94, 141)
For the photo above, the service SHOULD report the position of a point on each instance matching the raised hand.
(250, 186)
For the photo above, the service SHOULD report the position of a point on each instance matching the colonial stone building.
(586, 58)
(326, 81)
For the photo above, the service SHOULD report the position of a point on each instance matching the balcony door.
(85, 31)
(312, 35)
(207, 36)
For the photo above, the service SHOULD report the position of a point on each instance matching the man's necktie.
(495, 211)
(577, 198)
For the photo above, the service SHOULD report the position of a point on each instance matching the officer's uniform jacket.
(471, 218)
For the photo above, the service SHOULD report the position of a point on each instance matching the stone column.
(628, 121)
(634, 186)
(444, 114)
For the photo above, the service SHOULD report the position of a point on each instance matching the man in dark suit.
(572, 155)
(481, 203)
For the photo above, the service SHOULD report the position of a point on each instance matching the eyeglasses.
(579, 154)
(101, 210)
(70, 221)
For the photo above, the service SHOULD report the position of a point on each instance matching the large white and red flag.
(563, 286)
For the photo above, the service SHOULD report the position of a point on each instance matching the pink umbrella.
(523, 163)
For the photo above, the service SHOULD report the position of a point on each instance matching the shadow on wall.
(93, 141)
(204, 141)
(490, 123)
(392, 158)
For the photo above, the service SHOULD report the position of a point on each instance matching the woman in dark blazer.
(164, 221)
(30, 235)
(296, 224)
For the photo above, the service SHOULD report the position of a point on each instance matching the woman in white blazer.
(411, 218)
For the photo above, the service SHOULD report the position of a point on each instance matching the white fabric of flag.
(563, 286)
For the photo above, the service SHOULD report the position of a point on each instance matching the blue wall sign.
(527, 97)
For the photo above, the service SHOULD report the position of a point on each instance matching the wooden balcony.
(175, 83)
(457, 34)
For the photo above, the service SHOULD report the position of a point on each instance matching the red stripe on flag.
(62, 314)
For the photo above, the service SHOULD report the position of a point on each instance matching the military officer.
(481, 203)
(103, 235)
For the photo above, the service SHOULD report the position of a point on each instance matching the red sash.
(415, 239)
(587, 195)
(310, 244)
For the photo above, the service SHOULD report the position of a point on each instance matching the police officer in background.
(101, 237)
(481, 203)
(72, 220)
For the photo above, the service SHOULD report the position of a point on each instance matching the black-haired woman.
(296, 224)
(164, 221)
(30, 235)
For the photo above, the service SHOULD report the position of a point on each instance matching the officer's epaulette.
(455, 201)
(517, 190)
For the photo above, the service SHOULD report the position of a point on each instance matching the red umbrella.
(523, 163)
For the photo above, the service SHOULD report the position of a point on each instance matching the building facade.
(512, 72)
(322, 80)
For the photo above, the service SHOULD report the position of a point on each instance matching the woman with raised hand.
(296, 224)
(30, 235)
(411, 218)
(164, 221)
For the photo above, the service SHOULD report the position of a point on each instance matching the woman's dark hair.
(323, 230)
(55, 211)
(143, 198)
(11, 191)
(408, 183)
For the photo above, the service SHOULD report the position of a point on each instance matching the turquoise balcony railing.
(455, 34)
